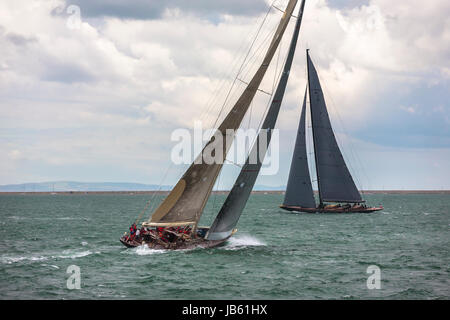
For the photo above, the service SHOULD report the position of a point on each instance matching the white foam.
(243, 241)
(69, 254)
(145, 250)
(50, 265)
(15, 217)
(9, 260)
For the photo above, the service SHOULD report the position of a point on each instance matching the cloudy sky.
(97, 98)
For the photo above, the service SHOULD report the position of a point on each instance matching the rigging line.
(258, 51)
(247, 61)
(159, 188)
(278, 8)
(270, 94)
(260, 90)
(345, 132)
(234, 163)
(283, 11)
(268, 105)
(219, 89)
(258, 54)
(270, 32)
(250, 114)
(142, 213)
(234, 64)
(233, 84)
(276, 68)
(252, 62)
(240, 70)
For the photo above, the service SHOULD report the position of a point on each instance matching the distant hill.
(59, 186)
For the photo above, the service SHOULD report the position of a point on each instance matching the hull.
(198, 242)
(332, 210)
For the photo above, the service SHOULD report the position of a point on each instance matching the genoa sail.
(334, 180)
(186, 201)
(299, 192)
(236, 200)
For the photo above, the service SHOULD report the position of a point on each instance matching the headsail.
(334, 180)
(232, 208)
(299, 192)
(186, 201)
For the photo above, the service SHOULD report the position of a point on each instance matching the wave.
(73, 218)
(242, 241)
(430, 213)
(50, 265)
(145, 250)
(70, 254)
(10, 260)
(66, 254)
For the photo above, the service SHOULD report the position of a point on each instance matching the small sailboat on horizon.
(334, 181)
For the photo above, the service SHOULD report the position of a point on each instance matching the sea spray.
(242, 241)
(145, 250)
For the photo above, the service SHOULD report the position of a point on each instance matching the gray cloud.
(340, 4)
(66, 73)
(153, 9)
(19, 40)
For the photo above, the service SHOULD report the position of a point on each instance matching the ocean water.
(274, 255)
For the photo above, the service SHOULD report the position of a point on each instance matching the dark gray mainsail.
(334, 180)
(299, 192)
(185, 203)
(235, 203)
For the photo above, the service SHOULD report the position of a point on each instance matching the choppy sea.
(274, 255)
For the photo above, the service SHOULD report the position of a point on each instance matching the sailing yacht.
(335, 183)
(174, 224)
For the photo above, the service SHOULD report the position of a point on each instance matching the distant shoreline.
(214, 192)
